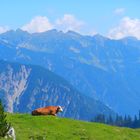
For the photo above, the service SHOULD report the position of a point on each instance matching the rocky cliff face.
(13, 84)
(25, 87)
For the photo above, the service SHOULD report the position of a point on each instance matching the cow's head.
(60, 109)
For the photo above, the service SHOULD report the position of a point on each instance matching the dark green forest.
(121, 121)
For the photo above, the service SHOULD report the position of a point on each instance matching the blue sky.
(84, 16)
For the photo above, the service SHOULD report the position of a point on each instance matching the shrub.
(4, 126)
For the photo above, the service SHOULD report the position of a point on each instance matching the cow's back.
(49, 110)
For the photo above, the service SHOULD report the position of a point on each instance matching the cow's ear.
(59, 107)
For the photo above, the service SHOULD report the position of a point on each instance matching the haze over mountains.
(96, 66)
(24, 88)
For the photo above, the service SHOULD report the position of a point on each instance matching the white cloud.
(126, 27)
(119, 11)
(38, 24)
(3, 29)
(42, 24)
(68, 22)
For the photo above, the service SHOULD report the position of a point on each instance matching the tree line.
(121, 121)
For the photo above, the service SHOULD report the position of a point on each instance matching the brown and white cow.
(49, 110)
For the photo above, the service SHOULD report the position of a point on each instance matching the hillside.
(54, 128)
(97, 66)
(24, 88)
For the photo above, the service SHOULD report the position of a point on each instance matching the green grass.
(53, 128)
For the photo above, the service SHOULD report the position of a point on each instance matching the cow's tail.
(34, 112)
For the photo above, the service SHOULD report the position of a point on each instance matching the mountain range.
(98, 67)
(24, 88)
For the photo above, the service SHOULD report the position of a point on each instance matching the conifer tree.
(4, 126)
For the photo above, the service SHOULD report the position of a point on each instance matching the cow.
(48, 110)
(11, 133)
